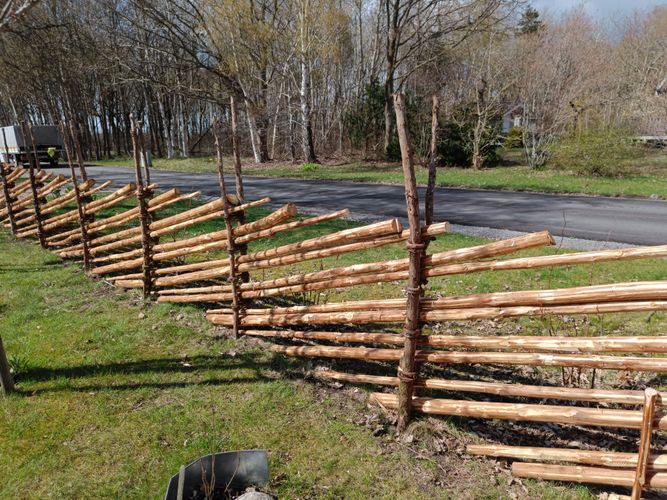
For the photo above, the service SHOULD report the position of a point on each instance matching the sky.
(599, 9)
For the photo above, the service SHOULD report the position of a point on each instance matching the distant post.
(6, 187)
(143, 194)
(83, 217)
(34, 164)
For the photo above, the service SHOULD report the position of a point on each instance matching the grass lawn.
(114, 394)
(646, 177)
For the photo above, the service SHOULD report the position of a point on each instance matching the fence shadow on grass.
(194, 365)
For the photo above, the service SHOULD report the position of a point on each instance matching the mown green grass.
(114, 394)
(110, 405)
(646, 177)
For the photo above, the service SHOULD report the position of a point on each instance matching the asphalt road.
(623, 220)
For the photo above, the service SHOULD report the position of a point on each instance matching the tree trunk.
(292, 145)
(388, 119)
(307, 132)
(183, 125)
(254, 133)
(304, 91)
(236, 150)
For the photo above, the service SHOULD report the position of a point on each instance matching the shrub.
(455, 143)
(599, 152)
(514, 138)
(309, 167)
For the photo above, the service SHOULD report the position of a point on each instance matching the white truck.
(15, 149)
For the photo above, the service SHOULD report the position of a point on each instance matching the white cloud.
(598, 8)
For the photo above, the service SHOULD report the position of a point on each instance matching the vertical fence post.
(415, 245)
(77, 149)
(6, 380)
(650, 400)
(32, 164)
(80, 206)
(238, 177)
(237, 151)
(231, 245)
(429, 202)
(6, 191)
(143, 193)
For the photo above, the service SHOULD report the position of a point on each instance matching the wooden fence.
(128, 248)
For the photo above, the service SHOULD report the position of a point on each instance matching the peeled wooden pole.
(21, 207)
(6, 380)
(63, 200)
(650, 399)
(234, 278)
(615, 292)
(79, 154)
(415, 245)
(144, 216)
(121, 218)
(388, 315)
(551, 260)
(106, 201)
(635, 363)
(49, 206)
(568, 415)
(494, 249)
(83, 220)
(27, 215)
(198, 244)
(373, 272)
(575, 456)
(631, 291)
(15, 174)
(72, 215)
(287, 260)
(176, 222)
(496, 388)
(187, 218)
(378, 229)
(266, 233)
(635, 344)
(237, 150)
(34, 163)
(579, 474)
(282, 214)
(165, 199)
(206, 217)
(24, 186)
(432, 162)
(212, 269)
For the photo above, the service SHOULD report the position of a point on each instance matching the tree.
(530, 21)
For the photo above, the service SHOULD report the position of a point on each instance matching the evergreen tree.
(530, 21)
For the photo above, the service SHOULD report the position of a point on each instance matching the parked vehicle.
(15, 149)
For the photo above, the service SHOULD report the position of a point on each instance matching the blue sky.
(598, 8)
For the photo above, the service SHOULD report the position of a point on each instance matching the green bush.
(598, 152)
(455, 147)
(514, 138)
(451, 148)
(309, 167)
